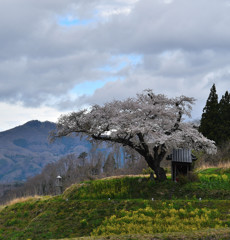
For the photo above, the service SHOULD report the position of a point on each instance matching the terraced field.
(126, 208)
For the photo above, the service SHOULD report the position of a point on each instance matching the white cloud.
(168, 1)
(118, 11)
(15, 114)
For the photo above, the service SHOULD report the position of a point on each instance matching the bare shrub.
(220, 159)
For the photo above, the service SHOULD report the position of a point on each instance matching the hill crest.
(25, 150)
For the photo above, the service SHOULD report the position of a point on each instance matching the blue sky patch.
(135, 59)
(89, 87)
(70, 21)
(120, 62)
(126, 60)
(111, 68)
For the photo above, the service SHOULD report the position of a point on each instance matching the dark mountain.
(25, 150)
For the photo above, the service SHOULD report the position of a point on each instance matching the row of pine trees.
(215, 120)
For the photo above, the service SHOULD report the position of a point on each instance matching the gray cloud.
(184, 47)
(154, 26)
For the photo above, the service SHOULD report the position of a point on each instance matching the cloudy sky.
(60, 56)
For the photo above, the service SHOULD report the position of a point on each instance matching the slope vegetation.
(126, 208)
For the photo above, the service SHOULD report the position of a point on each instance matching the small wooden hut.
(181, 162)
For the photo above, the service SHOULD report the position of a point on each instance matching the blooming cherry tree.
(150, 124)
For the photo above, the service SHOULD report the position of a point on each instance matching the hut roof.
(181, 155)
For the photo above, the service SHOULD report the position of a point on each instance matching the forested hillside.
(25, 150)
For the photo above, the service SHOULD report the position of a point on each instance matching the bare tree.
(150, 124)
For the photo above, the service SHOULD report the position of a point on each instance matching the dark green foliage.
(190, 177)
(224, 112)
(215, 121)
(209, 125)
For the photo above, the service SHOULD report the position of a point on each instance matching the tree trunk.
(155, 166)
(155, 160)
(160, 173)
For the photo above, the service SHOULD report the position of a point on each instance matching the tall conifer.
(224, 112)
(209, 125)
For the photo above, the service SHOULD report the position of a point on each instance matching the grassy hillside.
(126, 208)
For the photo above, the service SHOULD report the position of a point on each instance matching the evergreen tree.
(224, 113)
(110, 164)
(209, 125)
(83, 157)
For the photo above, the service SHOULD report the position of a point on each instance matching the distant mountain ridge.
(25, 150)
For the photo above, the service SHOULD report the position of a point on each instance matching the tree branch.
(178, 120)
(142, 141)
(123, 141)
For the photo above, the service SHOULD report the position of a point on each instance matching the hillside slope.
(25, 150)
(131, 206)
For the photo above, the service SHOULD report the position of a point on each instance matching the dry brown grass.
(129, 175)
(23, 199)
(18, 200)
(224, 165)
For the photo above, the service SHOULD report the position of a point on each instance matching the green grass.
(124, 208)
(210, 186)
(207, 234)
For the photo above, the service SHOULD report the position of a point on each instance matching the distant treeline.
(74, 169)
